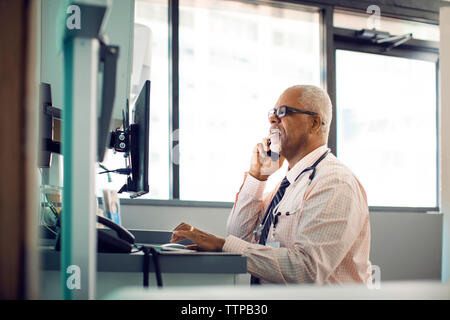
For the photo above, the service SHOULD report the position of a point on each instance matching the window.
(386, 110)
(386, 126)
(152, 14)
(235, 61)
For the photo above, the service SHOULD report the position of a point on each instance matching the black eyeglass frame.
(281, 112)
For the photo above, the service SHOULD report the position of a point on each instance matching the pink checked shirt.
(324, 238)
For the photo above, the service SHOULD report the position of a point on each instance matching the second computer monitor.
(140, 130)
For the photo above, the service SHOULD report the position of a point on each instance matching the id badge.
(273, 244)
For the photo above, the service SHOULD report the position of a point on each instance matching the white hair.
(315, 99)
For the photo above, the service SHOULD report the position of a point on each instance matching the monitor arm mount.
(120, 141)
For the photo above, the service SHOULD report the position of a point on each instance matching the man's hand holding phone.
(266, 158)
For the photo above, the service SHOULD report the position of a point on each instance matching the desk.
(116, 270)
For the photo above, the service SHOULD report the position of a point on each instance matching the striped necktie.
(268, 217)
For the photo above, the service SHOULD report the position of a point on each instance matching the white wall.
(212, 220)
(405, 245)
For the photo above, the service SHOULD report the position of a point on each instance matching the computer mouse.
(173, 246)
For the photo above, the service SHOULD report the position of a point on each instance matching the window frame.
(332, 39)
(345, 39)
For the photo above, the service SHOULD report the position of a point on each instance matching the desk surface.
(170, 262)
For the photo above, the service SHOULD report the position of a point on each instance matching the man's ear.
(316, 123)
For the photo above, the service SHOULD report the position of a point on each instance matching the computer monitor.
(108, 62)
(45, 126)
(108, 58)
(138, 130)
(137, 184)
(47, 114)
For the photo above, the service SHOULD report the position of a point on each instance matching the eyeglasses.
(281, 112)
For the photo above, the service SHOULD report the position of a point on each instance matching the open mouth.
(275, 130)
(275, 140)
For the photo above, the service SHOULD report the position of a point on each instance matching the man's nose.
(273, 119)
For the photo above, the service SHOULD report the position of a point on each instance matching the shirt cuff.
(235, 245)
(253, 186)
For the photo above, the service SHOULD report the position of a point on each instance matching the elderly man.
(314, 227)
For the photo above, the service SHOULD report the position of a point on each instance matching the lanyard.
(258, 230)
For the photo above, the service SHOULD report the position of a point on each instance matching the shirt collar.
(305, 162)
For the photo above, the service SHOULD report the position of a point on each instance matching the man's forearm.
(247, 209)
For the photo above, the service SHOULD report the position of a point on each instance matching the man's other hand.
(203, 241)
